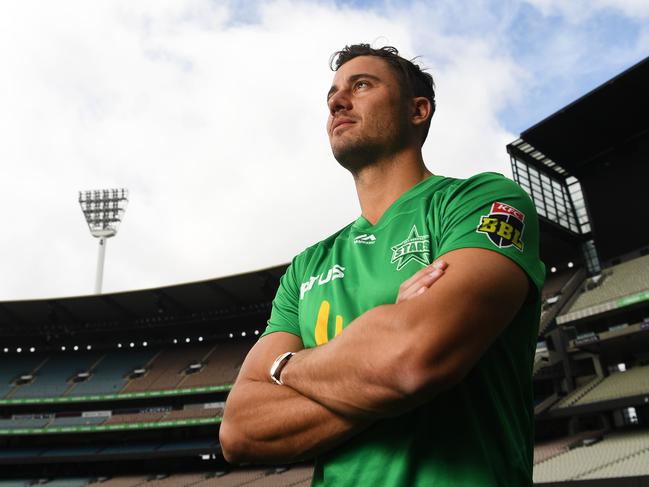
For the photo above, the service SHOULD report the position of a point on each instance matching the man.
(413, 328)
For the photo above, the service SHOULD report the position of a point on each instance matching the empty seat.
(111, 374)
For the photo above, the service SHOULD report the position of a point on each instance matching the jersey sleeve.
(284, 315)
(492, 212)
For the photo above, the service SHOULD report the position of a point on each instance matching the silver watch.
(278, 365)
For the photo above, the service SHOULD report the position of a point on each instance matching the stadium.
(127, 389)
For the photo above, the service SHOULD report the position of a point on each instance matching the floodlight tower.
(104, 210)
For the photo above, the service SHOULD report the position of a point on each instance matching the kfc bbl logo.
(503, 225)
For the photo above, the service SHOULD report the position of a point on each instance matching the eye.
(360, 84)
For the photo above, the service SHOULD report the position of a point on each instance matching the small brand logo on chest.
(414, 248)
(366, 239)
(336, 272)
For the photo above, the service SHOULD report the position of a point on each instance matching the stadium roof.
(602, 120)
(207, 300)
(602, 140)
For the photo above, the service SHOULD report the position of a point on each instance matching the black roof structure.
(599, 123)
(199, 305)
(597, 146)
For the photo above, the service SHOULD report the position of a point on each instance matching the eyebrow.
(351, 79)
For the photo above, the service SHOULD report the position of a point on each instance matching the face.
(368, 118)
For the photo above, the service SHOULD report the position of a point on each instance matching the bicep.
(465, 311)
(261, 356)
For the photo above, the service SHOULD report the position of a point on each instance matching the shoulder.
(486, 181)
(301, 261)
(486, 187)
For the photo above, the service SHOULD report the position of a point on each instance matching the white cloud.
(215, 125)
(580, 10)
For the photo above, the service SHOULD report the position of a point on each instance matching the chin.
(358, 154)
(355, 157)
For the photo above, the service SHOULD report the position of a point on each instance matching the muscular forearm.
(268, 423)
(355, 374)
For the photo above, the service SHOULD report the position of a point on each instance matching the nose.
(340, 100)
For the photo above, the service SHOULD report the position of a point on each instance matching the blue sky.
(212, 114)
(608, 44)
(565, 51)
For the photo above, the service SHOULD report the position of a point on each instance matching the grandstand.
(128, 389)
(591, 370)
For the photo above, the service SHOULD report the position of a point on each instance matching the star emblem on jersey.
(504, 226)
(414, 248)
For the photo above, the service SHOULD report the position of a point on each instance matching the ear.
(421, 112)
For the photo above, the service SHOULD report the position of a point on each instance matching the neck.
(380, 184)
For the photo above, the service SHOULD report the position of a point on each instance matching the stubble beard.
(361, 152)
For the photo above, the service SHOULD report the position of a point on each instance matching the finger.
(417, 280)
(420, 285)
(438, 264)
(423, 280)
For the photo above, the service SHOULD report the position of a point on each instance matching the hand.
(421, 281)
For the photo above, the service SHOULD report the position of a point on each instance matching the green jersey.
(478, 433)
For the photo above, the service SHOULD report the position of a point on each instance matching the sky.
(212, 114)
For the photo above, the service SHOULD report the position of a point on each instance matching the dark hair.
(417, 81)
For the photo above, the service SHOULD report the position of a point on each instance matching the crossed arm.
(389, 360)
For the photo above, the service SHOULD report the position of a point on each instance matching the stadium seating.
(634, 465)
(52, 377)
(193, 413)
(12, 368)
(574, 396)
(557, 291)
(135, 418)
(296, 476)
(165, 371)
(554, 283)
(77, 421)
(110, 375)
(588, 461)
(69, 482)
(177, 479)
(109, 372)
(546, 450)
(633, 381)
(126, 481)
(621, 280)
(222, 365)
(24, 422)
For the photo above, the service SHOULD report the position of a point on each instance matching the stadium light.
(103, 210)
(570, 264)
(187, 340)
(144, 344)
(19, 350)
(175, 340)
(32, 349)
(119, 345)
(63, 348)
(200, 339)
(243, 333)
(256, 332)
(75, 348)
(88, 347)
(231, 335)
(553, 269)
(6, 350)
(131, 344)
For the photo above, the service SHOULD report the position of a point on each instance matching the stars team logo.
(416, 247)
(504, 225)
